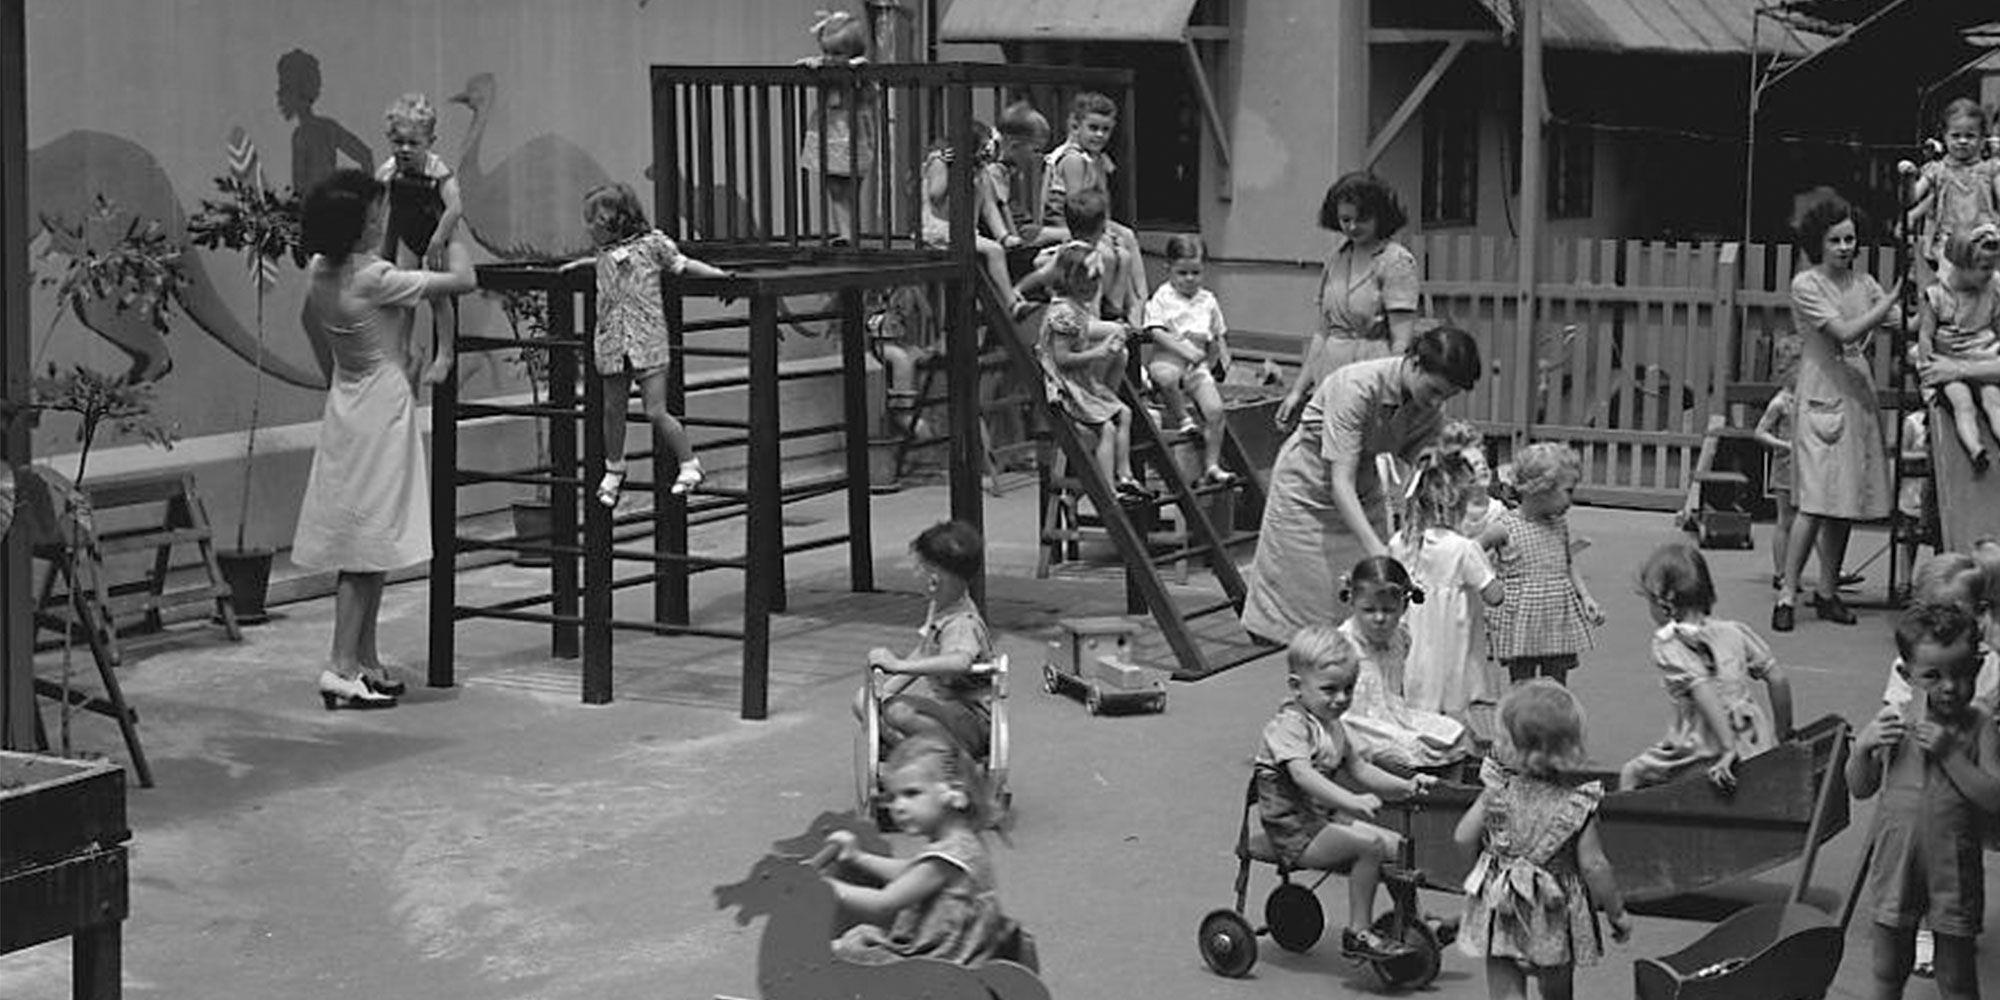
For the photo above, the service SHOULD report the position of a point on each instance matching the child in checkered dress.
(1547, 614)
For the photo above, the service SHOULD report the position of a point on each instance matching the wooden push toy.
(1094, 657)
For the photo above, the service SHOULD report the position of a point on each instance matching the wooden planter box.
(62, 862)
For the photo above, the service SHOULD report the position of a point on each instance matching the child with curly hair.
(1547, 614)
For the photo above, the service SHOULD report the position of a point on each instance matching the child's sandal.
(1218, 476)
(611, 486)
(690, 477)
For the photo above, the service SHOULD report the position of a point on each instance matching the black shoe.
(1833, 609)
(1781, 618)
(1850, 580)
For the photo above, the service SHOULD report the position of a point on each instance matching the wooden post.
(1529, 257)
(563, 463)
(762, 528)
(17, 629)
(670, 513)
(854, 407)
(961, 333)
(444, 532)
(597, 533)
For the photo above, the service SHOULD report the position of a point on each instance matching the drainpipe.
(1530, 21)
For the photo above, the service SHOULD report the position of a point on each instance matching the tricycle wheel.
(1292, 913)
(1227, 943)
(1093, 700)
(1049, 682)
(1160, 702)
(1416, 969)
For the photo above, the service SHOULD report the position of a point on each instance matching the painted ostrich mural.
(531, 204)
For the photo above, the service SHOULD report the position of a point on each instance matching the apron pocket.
(1825, 420)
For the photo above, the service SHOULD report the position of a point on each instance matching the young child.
(847, 133)
(1915, 505)
(1546, 618)
(1960, 191)
(986, 210)
(1312, 821)
(953, 638)
(941, 904)
(632, 328)
(1708, 664)
(1189, 347)
(1081, 164)
(1536, 833)
(1016, 173)
(1936, 761)
(1446, 672)
(424, 210)
(1083, 356)
(1774, 432)
(897, 322)
(1959, 319)
(1463, 438)
(1969, 582)
(1385, 728)
(1083, 218)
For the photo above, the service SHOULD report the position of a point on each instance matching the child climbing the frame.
(1959, 191)
(632, 328)
(1707, 666)
(1936, 762)
(954, 637)
(942, 904)
(1082, 164)
(424, 211)
(1547, 615)
(986, 213)
(1536, 834)
(1312, 820)
(1190, 351)
(1446, 670)
(1083, 356)
(1959, 319)
(844, 122)
(1386, 729)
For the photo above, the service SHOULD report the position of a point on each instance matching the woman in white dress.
(367, 502)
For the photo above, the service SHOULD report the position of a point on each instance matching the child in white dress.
(1445, 672)
(1385, 728)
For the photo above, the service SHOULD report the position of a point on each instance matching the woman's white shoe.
(336, 691)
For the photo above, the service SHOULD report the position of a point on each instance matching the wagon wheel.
(1293, 914)
(1093, 700)
(1049, 682)
(868, 753)
(1227, 943)
(1416, 969)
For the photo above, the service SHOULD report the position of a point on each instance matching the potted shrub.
(263, 223)
(527, 314)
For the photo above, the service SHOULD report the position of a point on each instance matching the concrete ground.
(501, 840)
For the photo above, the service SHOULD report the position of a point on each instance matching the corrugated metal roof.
(1065, 20)
(1671, 27)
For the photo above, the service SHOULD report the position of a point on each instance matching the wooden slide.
(1968, 506)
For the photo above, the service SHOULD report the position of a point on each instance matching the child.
(1188, 333)
(1385, 729)
(1016, 173)
(1445, 673)
(1083, 355)
(1957, 316)
(1546, 618)
(1708, 665)
(1936, 761)
(1536, 834)
(986, 210)
(1463, 438)
(941, 904)
(1774, 432)
(632, 328)
(1081, 164)
(1969, 582)
(848, 133)
(424, 210)
(953, 638)
(1312, 821)
(1960, 191)
(1083, 218)
(1915, 506)
(897, 324)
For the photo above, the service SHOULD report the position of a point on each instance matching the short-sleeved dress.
(1290, 817)
(1963, 197)
(416, 201)
(1304, 546)
(1525, 898)
(1357, 291)
(1082, 390)
(1381, 724)
(1840, 468)
(850, 135)
(1727, 656)
(961, 923)
(1194, 323)
(1928, 861)
(1779, 479)
(367, 500)
(959, 702)
(1540, 614)
(631, 321)
(1968, 326)
(1444, 672)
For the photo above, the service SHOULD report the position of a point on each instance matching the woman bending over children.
(1385, 729)
(1085, 357)
(954, 637)
(1190, 352)
(1959, 320)
(1708, 664)
(1547, 616)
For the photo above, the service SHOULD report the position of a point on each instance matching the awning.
(1066, 21)
(1669, 27)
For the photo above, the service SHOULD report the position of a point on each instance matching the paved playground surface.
(501, 840)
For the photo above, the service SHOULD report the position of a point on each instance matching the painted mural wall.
(135, 100)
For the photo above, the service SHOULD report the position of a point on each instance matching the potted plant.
(527, 314)
(263, 223)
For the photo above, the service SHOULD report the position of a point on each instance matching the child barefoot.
(1708, 665)
(1188, 332)
(1311, 821)
(1533, 829)
(941, 904)
(424, 210)
(1385, 729)
(1451, 570)
(847, 131)
(632, 328)
(948, 555)
(1957, 318)
(1084, 356)
(1936, 761)
(1546, 618)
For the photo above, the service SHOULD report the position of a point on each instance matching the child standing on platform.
(1536, 834)
(1546, 618)
(1960, 191)
(1385, 728)
(424, 211)
(846, 130)
(1959, 319)
(1446, 672)
(1082, 164)
(1189, 348)
(1083, 357)
(1708, 664)
(1936, 762)
(1312, 821)
(954, 637)
(632, 328)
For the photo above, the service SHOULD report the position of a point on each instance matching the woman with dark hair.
(1840, 472)
(1367, 299)
(1326, 509)
(367, 502)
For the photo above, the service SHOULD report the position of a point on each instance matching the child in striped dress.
(1546, 616)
